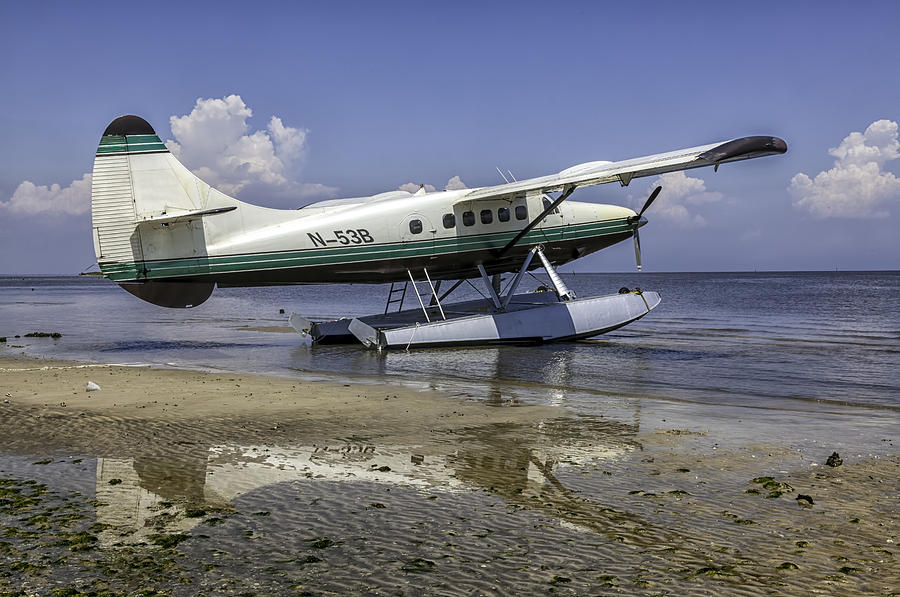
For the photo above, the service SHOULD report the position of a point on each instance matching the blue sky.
(378, 95)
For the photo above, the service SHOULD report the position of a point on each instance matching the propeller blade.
(637, 249)
(637, 218)
(650, 200)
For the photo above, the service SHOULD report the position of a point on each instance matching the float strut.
(490, 286)
(562, 291)
(515, 283)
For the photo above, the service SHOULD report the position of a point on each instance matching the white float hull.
(528, 319)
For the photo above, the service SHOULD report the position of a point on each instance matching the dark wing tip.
(745, 147)
(129, 125)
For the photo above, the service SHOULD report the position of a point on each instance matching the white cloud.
(217, 143)
(30, 199)
(680, 195)
(455, 184)
(857, 186)
(412, 187)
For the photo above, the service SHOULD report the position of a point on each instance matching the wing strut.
(514, 285)
(568, 190)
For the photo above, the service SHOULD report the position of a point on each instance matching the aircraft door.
(555, 217)
(417, 231)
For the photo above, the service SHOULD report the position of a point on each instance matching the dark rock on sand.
(834, 460)
(805, 501)
(788, 566)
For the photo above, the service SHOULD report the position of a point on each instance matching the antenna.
(502, 174)
(511, 176)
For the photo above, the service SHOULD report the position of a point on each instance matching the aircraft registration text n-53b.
(350, 236)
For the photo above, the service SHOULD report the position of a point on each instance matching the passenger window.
(468, 218)
(415, 226)
(449, 220)
(521, 212)
(487, 216)
(503, 214)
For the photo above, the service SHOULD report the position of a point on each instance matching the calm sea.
(797, 342)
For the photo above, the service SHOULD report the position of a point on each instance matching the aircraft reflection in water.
(515, 462)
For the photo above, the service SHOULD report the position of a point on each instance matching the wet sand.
(40, 392)
(186, 482)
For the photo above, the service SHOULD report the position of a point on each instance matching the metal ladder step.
(396, 288)
(433, 300)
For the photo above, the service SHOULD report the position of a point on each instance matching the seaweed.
(169, 541)
(419, 565)
(715, 571)
(321, 542)
(775, 488)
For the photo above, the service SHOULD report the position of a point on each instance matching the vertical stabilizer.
(113, 213)
(135, 180)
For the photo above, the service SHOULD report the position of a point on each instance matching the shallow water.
(781, 344)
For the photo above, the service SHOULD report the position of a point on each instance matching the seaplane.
(169, 238)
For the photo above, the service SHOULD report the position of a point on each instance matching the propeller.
(647, 203)
(637, 218)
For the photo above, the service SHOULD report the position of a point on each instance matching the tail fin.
(147, 207)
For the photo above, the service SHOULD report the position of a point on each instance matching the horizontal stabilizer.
(187, 216)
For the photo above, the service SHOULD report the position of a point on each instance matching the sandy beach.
(195, 402)
(187, 482)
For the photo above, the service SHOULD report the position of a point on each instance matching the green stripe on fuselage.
(228, 264)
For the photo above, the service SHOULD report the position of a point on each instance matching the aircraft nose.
(642, 222)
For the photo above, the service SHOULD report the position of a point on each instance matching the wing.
(595, 173)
